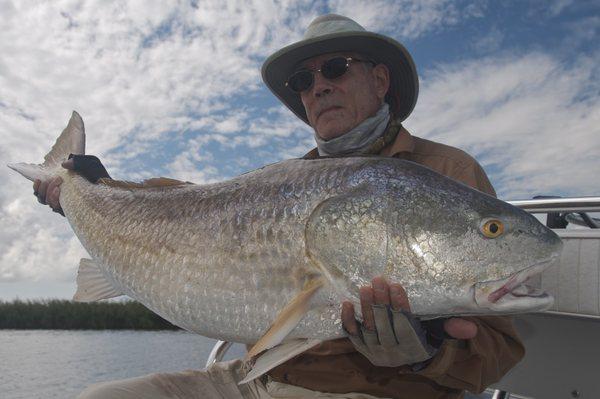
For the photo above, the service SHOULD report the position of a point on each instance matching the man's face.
(336, 106)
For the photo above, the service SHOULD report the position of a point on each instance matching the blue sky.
(174, 89)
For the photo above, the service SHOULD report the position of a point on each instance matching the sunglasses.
(333, 68)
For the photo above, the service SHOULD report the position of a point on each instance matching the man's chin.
(332, 130)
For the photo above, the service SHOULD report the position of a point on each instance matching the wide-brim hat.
(335, 33)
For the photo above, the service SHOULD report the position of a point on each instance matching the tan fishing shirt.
(335, 366)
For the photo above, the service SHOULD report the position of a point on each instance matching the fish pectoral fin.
(278, 355)
(92, 285)
(288, 318)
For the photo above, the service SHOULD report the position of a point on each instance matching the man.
(355, 88)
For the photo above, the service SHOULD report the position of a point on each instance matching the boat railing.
(218, 352)
(544, 204)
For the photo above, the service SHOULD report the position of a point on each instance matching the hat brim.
(404, 81)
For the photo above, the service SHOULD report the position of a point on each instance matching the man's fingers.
(53, 193)
(460, 328)
(381, 291)
(398, 298)
(366, 303)
(348, 319)
(48, 192)
(53, 197)
(42, 192)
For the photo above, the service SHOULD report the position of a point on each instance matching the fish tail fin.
(70, 141)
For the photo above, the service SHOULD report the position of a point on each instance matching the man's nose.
(321, 85)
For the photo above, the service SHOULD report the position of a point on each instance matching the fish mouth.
(512, 295)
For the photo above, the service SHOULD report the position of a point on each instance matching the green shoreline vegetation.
(57, 314)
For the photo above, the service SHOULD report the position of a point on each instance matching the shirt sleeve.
(476, 363)
(474, 176)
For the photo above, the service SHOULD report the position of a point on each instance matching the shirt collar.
(404, 143)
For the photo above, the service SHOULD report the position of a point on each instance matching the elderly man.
(354, 88)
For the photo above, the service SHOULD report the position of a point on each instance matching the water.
(60, 364)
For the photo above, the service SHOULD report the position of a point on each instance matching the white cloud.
(583, 30)
(268, 135)
(531, 119)
(185, 166)
(489, 41)
(36, 245)
(406, 18)
(557, 6)
(134, 69)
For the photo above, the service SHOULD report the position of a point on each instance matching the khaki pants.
(217, 382)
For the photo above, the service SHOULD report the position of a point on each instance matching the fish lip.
(507, 294)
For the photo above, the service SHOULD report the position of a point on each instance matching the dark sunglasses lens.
(300, 81)
(334, 68)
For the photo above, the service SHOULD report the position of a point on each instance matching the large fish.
(270, 255)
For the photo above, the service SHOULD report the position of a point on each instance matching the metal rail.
(575, 204)
(218, 352)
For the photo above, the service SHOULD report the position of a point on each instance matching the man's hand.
(390, 335)
(88, 166)
(48, 191)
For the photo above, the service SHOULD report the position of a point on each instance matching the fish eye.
(492, 228)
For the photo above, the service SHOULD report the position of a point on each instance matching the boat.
(563, 343)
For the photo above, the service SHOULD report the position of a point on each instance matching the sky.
(174, 89)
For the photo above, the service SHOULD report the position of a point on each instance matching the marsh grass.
(57, 314)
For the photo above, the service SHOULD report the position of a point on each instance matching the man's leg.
(217, 382)
(278, 390)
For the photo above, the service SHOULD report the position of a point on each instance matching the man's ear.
(381, 73)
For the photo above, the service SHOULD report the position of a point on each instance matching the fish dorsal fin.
(70, 141)
(150, 183)
(288, 318)
(92, 285)
(278, 355)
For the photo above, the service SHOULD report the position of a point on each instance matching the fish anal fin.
(150, 183)
(278, 355)
(288, 318)
(92, 285)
